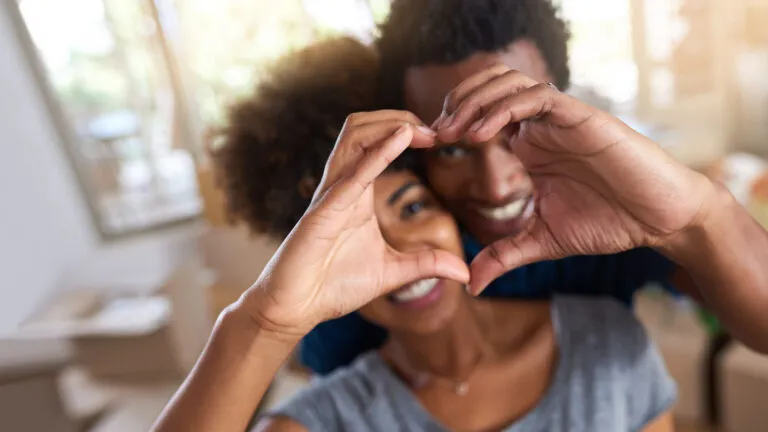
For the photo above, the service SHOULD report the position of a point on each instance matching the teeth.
(509, 211)
(415, 290)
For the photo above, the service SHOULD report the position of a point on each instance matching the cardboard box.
(214, 201)
(29, 392)
(235, 255)
(744, 390)
(143, 337)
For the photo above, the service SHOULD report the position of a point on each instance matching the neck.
(452, 352)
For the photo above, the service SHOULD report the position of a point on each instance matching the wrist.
(691, 246)
(239, 323)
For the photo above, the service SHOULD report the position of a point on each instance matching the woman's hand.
(335, 259)
(600, 186)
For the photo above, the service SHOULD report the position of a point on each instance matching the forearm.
(726, 256)
(230, 378)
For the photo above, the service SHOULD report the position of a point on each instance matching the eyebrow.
(401, 191)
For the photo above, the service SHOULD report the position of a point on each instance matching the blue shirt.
(338, 342)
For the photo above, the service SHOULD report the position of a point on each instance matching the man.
(442, 59)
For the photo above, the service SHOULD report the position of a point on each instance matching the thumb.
(502, 256)
(404, 268)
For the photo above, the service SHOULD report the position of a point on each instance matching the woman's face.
(484, 185)
(410, 219)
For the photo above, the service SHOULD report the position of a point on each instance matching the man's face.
(484, 185)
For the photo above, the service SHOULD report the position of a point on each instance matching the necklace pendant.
(461, 389)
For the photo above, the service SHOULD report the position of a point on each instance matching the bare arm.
(725, 256)
(230, 378)
(307, 282)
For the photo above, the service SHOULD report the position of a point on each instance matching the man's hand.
(600, 187)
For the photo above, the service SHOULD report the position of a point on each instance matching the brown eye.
(411, 209)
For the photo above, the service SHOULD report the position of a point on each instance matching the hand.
(335, 259)
(600, 187)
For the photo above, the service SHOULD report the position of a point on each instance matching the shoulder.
(333, 400)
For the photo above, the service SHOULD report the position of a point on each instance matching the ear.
(307, 186)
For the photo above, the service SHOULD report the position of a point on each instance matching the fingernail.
(468, 289)
(426, 131)
(447, 122)
(476, 125)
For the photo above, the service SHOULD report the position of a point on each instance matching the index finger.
(481, 100)
(454, 98)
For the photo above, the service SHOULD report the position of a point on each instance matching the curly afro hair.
(422, 32)
(273, 148)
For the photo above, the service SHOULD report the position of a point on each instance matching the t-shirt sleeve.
(650, 390)
(312, 408)
(657, 393)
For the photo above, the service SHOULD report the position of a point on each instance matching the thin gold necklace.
(418, 379)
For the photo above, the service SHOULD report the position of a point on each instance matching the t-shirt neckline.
(406, 402)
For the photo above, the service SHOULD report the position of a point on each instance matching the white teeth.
(509, 211)
(415, 290)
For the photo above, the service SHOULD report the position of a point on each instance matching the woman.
(374, 240)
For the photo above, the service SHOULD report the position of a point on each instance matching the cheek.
(383, 314)
(444, 232)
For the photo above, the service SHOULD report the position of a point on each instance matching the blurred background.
(116, 253)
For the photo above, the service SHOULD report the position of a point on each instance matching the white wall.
(44, 224)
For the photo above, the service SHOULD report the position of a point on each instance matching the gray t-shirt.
(609, 377)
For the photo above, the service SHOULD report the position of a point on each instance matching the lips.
(489, 224)
(414, 291)
(506, 212)
(418, 295)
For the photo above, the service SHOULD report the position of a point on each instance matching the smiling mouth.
(414, 291)
(507, 212)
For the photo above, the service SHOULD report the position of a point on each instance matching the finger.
(362, 118)
(454, 98)
(353, 144)
(404, 268)
(371, 134)
(500, 257)
(372, 165)
(482, 99)
(534, 102)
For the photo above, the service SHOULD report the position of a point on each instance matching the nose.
(407, 239)
(430, 234)
(499, 173)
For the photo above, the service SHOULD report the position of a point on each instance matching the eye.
(411, 209)
(451, 152)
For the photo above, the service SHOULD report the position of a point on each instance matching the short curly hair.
(423, 32)
(275, 143)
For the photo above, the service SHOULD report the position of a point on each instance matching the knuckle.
(514, 74)
(542, 88)
(410, 117)
(495, 254)
(452, 100)
(354, 118)
(499, 67)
